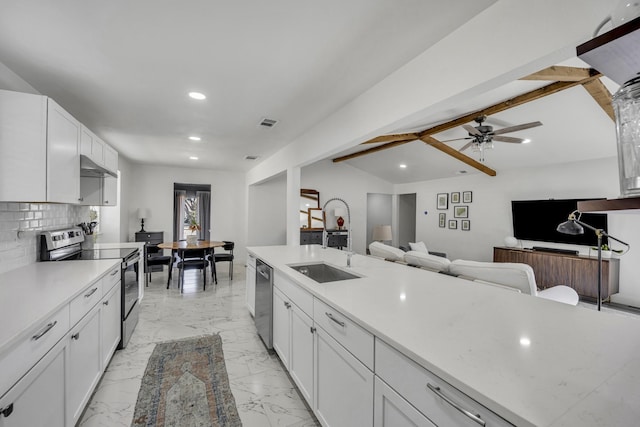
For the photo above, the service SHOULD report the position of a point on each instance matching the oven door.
(130, 285)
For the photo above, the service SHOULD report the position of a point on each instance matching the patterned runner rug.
(185, 384)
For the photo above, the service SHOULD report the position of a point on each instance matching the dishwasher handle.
(264, 270)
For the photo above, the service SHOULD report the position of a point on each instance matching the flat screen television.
(538, 219)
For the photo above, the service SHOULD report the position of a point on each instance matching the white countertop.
(581, 368)
(30, 294)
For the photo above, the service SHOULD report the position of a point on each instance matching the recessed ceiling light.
(197, 95)
(526, 141)
(193, 158)
(403, 166)
(461, 172)
(251, 157)
(195, 138)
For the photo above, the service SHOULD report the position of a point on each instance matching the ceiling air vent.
(251, 157)
(268, 123)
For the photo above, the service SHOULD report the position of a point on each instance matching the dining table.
(182, 245)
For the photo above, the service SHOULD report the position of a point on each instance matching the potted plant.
(194, 227)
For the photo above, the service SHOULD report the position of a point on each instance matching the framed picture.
(443, 201)
(465, 224)
(442, 220)
(455, 197)
(461, 211)
(453, 224)
(467, 197)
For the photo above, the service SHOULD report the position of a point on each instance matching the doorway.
(406, 219)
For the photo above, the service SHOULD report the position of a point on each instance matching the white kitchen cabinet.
(63, 155)
(251, 284)
(110, 324)
(92, 146)
(442, 403)
(84, 364)
(23, 149)
(37, 399)
(301, 351)
(98, 191)
(343, 386)
(110, 158)
(391, 410)
(109, 191)
(281, 328)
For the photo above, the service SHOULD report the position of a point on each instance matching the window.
(191, 211)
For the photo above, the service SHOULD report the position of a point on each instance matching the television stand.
(577, 271)
(555, 250)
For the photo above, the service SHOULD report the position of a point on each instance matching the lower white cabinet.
(84, 364)
(343, 386)
(301, 351)
(251, 284)
(281, 332)
(391, 410)
(110, 324)
(37, 399)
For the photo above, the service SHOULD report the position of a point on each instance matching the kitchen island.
(531, 361)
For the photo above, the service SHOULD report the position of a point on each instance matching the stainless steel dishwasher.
(264, 303)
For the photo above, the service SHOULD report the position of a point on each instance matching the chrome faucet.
(325, 235)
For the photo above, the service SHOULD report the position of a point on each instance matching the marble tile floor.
(264, 393)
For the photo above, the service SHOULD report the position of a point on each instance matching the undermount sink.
(322, 273)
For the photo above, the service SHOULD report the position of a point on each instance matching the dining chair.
(224, 256)
(191, 259)
(155, 256)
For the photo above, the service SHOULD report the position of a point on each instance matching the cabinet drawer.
(296, 294)
(84, 302)
(412, 382)
(110, 279)
(26, 353)
(153, 237)
(352, 337)
(251, 261)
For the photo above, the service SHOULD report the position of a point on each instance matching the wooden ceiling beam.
(393, 138)
(429, 140)
(559, 73)
(493, 109)
(601, 95)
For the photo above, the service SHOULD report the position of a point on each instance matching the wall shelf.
(629, 203)
(616, 53)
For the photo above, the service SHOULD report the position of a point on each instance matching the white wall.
(152, 187)
(351, 185)
(490, 211)
(268, 212)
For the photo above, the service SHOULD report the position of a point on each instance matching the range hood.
(89, 168)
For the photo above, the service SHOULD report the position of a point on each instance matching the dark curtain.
(204, 206)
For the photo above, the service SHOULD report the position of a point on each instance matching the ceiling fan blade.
(472, 130)
(456, 139)
(508, 139)
(465, 146)
(516, 128)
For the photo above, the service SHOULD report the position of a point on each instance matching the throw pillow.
(419, 247)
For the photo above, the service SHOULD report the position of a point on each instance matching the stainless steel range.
(66, 245)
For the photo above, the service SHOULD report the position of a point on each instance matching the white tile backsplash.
(20, 226)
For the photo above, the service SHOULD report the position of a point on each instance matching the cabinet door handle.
(6, 411)
(76, 336)
(91, 292)
(287, 304)
(106, 302)
(330, 316)
(44, 331)
(441, 395)
(312, 329)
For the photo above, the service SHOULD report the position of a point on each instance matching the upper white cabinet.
(63, 155)
(40, 147)
(92, 146)
(23, 149)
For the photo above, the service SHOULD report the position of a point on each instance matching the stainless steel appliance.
(264, 303)
(66, 245)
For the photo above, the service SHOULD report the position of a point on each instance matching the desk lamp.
(574, 226)
(382, 233)
(142, 214)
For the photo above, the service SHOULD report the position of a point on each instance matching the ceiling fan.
(482, 136)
